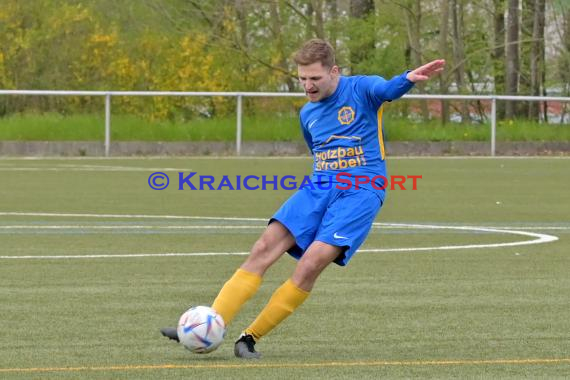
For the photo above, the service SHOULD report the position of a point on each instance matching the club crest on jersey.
(346, 115)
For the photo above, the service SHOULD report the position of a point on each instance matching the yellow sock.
(235, 292)
(282, 303)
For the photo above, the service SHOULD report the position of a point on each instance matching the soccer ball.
(201, 329)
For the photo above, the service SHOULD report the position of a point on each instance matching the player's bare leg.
(274, 241)
(288, 297)
(318, 256)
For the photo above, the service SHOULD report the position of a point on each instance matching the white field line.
(130, 216)
(538, 238)
(91, 168)
(125, 227)
(383, 226)
(265, 220)
(436, 226)
(128, 255)
(151, 158)
(110, 168)
(532, 228)
(79, 166)
(242, 157)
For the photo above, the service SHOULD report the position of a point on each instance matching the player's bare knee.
(260, 248)
(305, 275)
(308, 268)
(260, 257)
(258, 252)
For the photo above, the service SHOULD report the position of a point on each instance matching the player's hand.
(426, 71)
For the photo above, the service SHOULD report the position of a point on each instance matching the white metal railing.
(241, 95)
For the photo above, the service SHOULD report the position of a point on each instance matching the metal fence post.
(493, 124)
(107, 124)
(238, 125)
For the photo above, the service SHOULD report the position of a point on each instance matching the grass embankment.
(275, 127)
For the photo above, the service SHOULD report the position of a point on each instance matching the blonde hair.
(315, 50)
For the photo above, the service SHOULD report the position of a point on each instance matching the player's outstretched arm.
(426, 71)
(396, 87)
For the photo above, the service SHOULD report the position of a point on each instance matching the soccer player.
(321, 224)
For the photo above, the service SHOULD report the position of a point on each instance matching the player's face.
(318, 81)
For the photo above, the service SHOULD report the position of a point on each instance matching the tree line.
(514, 47)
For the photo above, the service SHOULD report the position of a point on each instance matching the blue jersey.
(344, 131)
